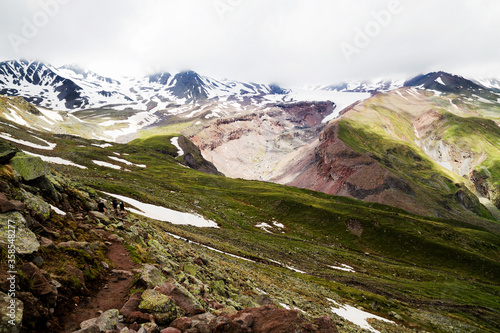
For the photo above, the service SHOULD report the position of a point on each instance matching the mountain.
(444, 82)
(73, 88)
(197, 250)
(379, 85)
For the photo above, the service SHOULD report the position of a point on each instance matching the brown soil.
(110, 293)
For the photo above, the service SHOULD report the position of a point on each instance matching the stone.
(152, 276)
(40, 285)
(182, 323)
(170, 330)
(182, 297)
(33, 308)
(190, 269)
(37, 206)
(11, 314)
(132, 304)
(38, 260)
(77, 274)
(149, 328)
(89, 326)
(29, 167)
(138, 317)
(47, 243)
(7, 151)
(100, 217)
(13, 226)
(162, 306)
(108, 320)
(8, 205)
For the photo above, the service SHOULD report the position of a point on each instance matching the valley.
(377, 209)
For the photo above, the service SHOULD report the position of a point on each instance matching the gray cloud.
(285, 41)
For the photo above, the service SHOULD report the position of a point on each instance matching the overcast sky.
(290, 42)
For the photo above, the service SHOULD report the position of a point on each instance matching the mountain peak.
(444, 82)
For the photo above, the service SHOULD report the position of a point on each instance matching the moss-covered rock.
(162, 306)
(39, 207)
(11, 314)
(29, 167)
(13, 226)
(7, 151)
(152, 276)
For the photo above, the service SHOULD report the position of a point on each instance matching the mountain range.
(375, 196)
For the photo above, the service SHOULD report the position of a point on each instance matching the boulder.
(132, 304)
(170, 330)
(7, 151)
(11, 314)
(40, 286)
(77, 274)
(13, 226)
(8, 205)
(38, 207)
(29, 167)
(35, 313)
(182, 298)
(267, 319)
(101, 217)
(162, 306)
(108, 320)
(152, 276)
(149, 328)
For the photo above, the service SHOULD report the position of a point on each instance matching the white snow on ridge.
(175, 142)
(126, 162)
(165, 214)
(50, 146)
(56, 160)
(356, 316)
(343, 267)
(107, 165)
(440, 81)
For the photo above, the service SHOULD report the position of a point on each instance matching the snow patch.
(56, 160)
(175, 142)
(440, 81)
(50, 146)
(57, 210)
(107, 165)
(127, 162)
(356, 316)
(165, 214)
(343, 267)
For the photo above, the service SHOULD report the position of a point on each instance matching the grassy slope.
(400, 256)
(385, 131)
(402, 261)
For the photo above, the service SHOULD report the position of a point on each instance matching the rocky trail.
(113, 290)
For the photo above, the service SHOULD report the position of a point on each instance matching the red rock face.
(330, 166)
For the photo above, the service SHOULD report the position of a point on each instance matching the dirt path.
(112, 293)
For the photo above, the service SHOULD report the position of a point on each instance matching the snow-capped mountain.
(57, 88)
(445, 82)
(73, 88)
(366, 86)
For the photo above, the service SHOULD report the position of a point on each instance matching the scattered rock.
(29, 167)
(108, 320)
(170, 330)
(11, 314)
(132, 304)
(162, 306)
(14, 226)
(149, 328)
(152, 276)
(182, 297)
(7, 151)
(101, 217)
(8, 205)
(47, 243)
(40, 285)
